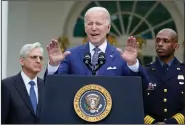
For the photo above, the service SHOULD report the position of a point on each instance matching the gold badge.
(92, 103)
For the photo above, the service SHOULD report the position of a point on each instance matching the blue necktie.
(33, 97)
(95, 56)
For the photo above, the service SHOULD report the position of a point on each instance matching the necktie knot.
(32, 83)
(96, 49)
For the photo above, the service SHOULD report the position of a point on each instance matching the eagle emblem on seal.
(93, 103)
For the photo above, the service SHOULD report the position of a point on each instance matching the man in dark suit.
(97, 26)
(21, 94)
(164, 99)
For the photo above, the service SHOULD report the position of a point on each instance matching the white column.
(1, 43)
(4, 38)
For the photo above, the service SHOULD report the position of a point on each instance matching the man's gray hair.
(99, 9)
(25, 50)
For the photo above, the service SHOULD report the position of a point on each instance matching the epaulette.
(182, 63)
(147, 65)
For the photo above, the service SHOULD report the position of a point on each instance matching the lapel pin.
(153, 69)
(178, 68)
(151, 86)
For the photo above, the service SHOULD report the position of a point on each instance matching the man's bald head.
(171, 32)
(166, 43)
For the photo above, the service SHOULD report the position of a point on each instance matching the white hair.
(99, 9)
(25, 50)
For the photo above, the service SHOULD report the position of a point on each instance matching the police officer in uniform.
(164, 99)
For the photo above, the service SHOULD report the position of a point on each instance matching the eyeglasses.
(36, 57)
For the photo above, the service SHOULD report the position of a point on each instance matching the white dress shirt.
(102, 47)
(26, 80)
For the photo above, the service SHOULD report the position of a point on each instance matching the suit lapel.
(157, 69)
(84, 50)
(20, 86)
(110, 56)
(40, 88)
(172, 72)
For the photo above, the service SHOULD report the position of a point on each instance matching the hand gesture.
(54, 53)
(130, 52)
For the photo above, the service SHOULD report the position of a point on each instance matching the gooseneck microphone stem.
(93, 72)
(101, 62)
(87, 61)
(92, 68)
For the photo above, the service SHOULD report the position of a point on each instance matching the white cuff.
(52, 69)
(135, 67)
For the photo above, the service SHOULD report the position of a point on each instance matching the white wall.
(30, 22)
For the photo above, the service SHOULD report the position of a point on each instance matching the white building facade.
(40, 21)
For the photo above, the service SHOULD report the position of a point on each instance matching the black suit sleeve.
(5, 104)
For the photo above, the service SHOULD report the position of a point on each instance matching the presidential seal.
(92, 103)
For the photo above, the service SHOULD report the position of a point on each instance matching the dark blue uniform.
(164, 99)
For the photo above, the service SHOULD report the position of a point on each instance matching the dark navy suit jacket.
(15, 103)
(167, 98)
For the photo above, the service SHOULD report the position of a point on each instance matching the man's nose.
(38, 59)
(160, 43)
(94, 27)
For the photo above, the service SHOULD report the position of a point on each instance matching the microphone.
(101, 62)
(87, 61)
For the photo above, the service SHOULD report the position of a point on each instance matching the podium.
(60, 91)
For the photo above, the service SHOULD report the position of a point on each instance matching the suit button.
(165, 119)
(164, 100)
(165, 110)
(165, 90)
(182, 92)
(148, 93)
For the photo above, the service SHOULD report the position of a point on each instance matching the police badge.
(151, 86)
(92, 103)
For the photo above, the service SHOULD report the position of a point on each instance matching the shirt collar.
(102, 47)
(26, 79)
(169, 63)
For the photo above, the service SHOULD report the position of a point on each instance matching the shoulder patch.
(182, 63)
(149, 64)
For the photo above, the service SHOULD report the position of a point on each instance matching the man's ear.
(21, 61)
(109, 26)
(176, 46)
